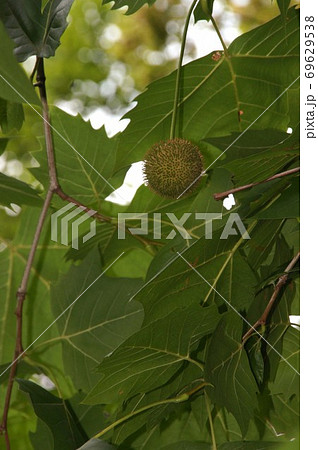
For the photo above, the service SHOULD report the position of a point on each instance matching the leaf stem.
(179, 70)
(228, 59)
(179, 399)
(222, 195)
(208, 408)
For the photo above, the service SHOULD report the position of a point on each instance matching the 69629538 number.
(309, 47)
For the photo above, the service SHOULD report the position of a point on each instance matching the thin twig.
(21, 293)
(280, 283)
(40, 78)
(208, 408)
(58, 191)
(222, 195)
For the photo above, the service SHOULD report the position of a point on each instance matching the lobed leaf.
(35, 32)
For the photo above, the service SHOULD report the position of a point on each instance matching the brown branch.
(21, 293)
(58, 191)
(280, 283)
(222, 195)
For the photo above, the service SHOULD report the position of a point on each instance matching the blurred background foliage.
(106, 58)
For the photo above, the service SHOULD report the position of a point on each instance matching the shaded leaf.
(247, 143)
(203, 10)
(287, 205)
(57, 414)
(33, 31)
(287, 380)
(227, 368)
(264, 238)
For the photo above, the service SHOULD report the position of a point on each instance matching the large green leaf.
(133, 5)
(84, 158)
(14, 84)
(153, 355)
(212, 97)
(97, 323)
(227, 369)
(218, 267)
(18, 192)
(33, 31)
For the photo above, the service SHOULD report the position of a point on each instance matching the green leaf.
(84, 158)
(287, 380)
(133, 5)
(264, 238)
(203, 10)
(227, 369)
(257, 154)
(212, 98)
(287, 205)
(248, 143)
(218, 267)
(98, 322)
(18, 192)
(153, 355)
(61, 416)
(154, 418)
(57, 414)
(14, 84)
(34, 32)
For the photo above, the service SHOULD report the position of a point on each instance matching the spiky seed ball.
(172, 168)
